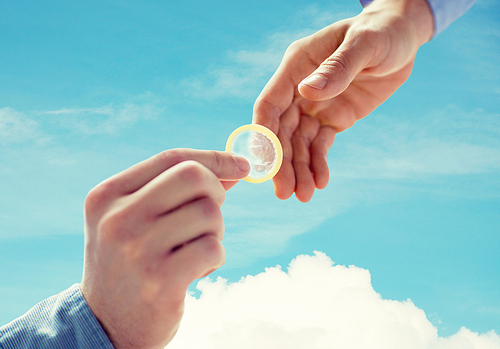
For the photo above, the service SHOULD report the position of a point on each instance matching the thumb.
(224, 165)
(336, 73)
(228, 167)
(230, 178)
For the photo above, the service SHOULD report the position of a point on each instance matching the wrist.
(417, 14)
(422, 19)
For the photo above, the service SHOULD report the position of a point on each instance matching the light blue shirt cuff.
(445, 12)
(61, 321)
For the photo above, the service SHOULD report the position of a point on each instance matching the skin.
(149, 232)
(331, 79)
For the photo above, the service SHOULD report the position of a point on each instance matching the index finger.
(276, 96)
(223, 164)
(301, 58)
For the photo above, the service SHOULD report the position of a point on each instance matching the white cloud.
(443, 143)
(103, 120)
(49, 172)
(427, 157)
(492, 310)
(15, 127)
(466, 339)
(244, 72)
(477, 63)
(313, 305)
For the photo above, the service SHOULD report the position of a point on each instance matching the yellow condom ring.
(260, 147)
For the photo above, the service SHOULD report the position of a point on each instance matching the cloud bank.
(313, 305)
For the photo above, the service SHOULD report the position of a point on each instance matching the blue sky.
(89, 89)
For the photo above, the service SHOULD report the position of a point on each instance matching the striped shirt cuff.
(61, 321)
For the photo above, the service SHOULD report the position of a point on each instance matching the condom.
(260, 147)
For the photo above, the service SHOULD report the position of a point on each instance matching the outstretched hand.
(331, 79)
(149, 232)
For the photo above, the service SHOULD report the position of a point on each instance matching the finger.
(228, 184)
(176, 229)
(319, 155)
(196, 259)
(179, 185)
(301, 58)
(335, 74)
(301, 141)
(279, 92)
(275, 98)
(284, 181)
(223, 164)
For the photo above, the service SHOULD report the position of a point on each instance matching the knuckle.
(194, 173)
(267, 113)
(172, 155)
(114, 225)
(216, 253)
(201, 180)
(338, 63)
(211, 210)
(211, 254)
(135, 252)
(295, 48)
(217, 161)
(98, 197)
(363, 32)
(375, 42)
(370, 37)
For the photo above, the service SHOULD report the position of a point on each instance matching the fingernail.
(317, 81)
(242, 163)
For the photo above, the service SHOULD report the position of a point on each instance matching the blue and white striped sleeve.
(61, 321)
(445, 12)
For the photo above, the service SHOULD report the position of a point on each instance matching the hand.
(331, 79)
(149, 232)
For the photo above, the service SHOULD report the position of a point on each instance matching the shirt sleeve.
(61, 321)
(445, 12)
